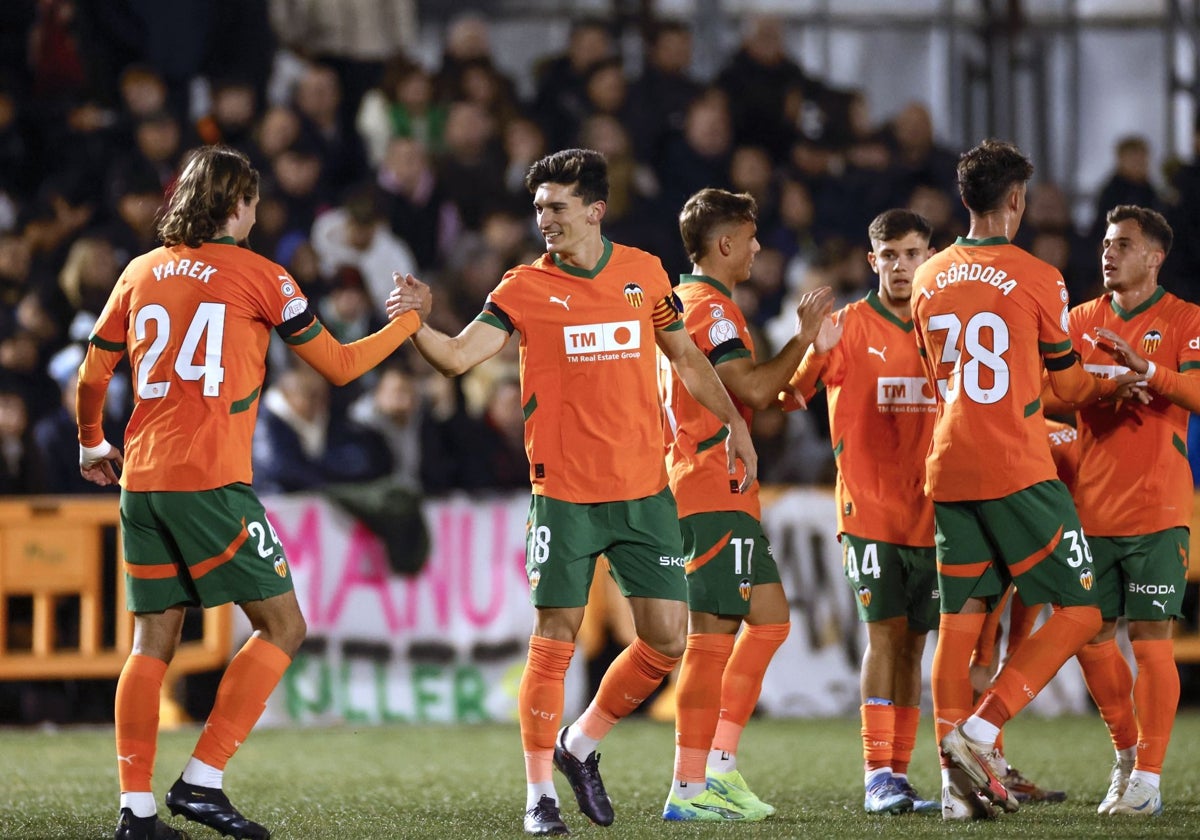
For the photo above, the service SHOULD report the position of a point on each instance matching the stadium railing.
(62, 599)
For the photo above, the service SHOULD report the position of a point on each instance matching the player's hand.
(409, 295)
(739, 447)
(1120, 350)
(829, 334)
(1131, 386)
(791, 400)
(811, 312)
(100, 464)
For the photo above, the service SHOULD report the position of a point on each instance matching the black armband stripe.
(295, 324)
(1061, 362)
(500, 315)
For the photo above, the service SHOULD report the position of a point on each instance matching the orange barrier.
(53, 552)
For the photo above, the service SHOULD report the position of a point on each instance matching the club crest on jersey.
(744, 588)
(281, 567)
(1151, 341)
(635, 295)
(1087, 580)
(535, 577)
(864, 596)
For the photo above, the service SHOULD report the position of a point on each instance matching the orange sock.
(1037, 660)
(1110, 682)
(1156, 696)
(698, 702)
(953, 696)
(540, 704)
(905, 740)
(241, 697)
(752, 654)
(630, 679)
(136, 714)
(878, 734)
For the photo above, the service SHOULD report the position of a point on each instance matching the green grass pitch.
(467, 782)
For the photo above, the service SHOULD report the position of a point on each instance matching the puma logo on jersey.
(872, 351)
(1160, 605)
(564, 301)
(1091, 339)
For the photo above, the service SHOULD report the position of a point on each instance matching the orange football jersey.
(696, 459)
(1133, 466)
(881, 412)
(987, 313)
(196, 323)
(589, 372)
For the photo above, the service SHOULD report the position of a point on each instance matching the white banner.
(448, 644)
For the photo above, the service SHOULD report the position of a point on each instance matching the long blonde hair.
(207, 193)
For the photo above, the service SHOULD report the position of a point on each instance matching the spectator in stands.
(300, 444)
(357, 234)
(606, 91)
(396, 411)
(56, 435)
(523, 142)
(1129, 183)
(659, 98)
(346, 309)
(471, 170)
(317, 98)
(278, 129)
(137, 194)
(413, 201)
(758, 80)
(919, 159)
(468, 43)
(232, 116)
(296, 175)
(21, 470)
(501, 447)
(792, 233)
(402, 105)
(353, 38)
(699, 156)
(560, 101)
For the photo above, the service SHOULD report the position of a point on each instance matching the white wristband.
(1149, 374)
(91, 455)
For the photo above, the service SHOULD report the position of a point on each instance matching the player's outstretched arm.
(450, 356)
(803, 383)
(702, 382)
(757, 384)
(342, 363)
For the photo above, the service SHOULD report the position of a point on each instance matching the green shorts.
(1142, 578)
(640, 538)
(200, 549)
(889, 581)
(1032, 538)
(727, 555)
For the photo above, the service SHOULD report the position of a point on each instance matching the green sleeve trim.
(1186, 366)
(529, 407)
(1178, 443)
(837, 450)
(244, 404)
(713, 441)
(114, 346)
(742, 353)
(491, 320)
(305, 336)
(674, 325)
(921, 352)
(1045, 347)
(1033, 407)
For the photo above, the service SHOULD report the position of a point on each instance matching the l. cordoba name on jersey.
(603, 342)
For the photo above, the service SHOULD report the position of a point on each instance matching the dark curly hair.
(987, 172)
(587, 169)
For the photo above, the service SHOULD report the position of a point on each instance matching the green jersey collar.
(576, 271)
(875, 303)
(991, 240)
(704, 278)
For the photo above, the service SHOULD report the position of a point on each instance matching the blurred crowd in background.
(375, 159)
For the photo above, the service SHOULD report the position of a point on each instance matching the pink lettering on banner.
(364, 565)
(435, 578)
(302, 544)
(495, 568)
